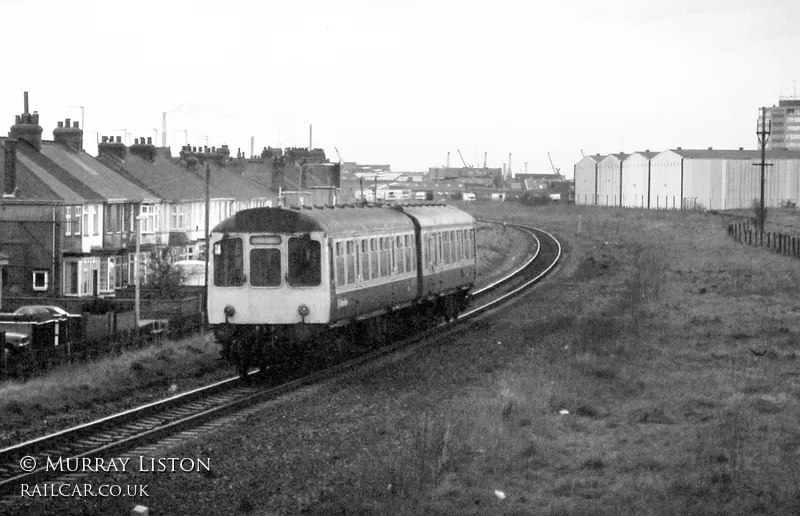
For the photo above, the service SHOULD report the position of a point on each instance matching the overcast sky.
(405, 81)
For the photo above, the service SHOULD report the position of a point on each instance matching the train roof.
(437, 215)
(340, 220)
(336, 220)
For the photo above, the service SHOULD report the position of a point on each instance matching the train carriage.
(285, 274)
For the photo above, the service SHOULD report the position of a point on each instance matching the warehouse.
(714, 179)
(609, 179)
(636, 179)
(586, 179)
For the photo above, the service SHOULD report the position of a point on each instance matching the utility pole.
(763, 131)
(207, 234)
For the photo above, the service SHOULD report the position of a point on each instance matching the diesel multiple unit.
(280, 275)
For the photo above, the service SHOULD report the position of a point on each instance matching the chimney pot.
(119, 139)
(136, 141)
(66, 123)
(60, 124)
(710, 148)
(75, 125)
(213, 149)
(149, 140)
(25, 96)
(741, 148)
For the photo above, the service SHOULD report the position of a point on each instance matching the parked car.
(16, 340)
(41, 310)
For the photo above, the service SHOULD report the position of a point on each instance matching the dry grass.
(75, 391)
(655, 373)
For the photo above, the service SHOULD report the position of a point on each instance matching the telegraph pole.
(763, 131)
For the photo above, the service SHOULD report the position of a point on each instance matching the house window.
(68, 220)
(107, 274)
(40, 281)
(150, 223)
(71, 278)
(176, 217)
(95, 220)
(85, 221)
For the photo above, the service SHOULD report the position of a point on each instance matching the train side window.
(364, 257)
(265, 267)
(411, 259)
(386, 264)
(229, 263)
(305, 262)
(398, 255)
(472, 243)
(373, 258)
(350, 262)
(339, 264)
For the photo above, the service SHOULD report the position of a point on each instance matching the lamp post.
(136, 309)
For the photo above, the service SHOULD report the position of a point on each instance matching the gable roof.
(82, 170)
(167, 180)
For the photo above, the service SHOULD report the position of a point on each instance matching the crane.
(555, 170)
(462, 159)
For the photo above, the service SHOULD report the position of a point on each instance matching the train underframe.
(275, 349)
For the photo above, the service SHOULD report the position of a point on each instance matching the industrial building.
(688, 179)
(785, 124)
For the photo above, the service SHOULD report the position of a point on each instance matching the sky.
(404, 82)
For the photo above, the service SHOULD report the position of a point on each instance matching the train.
(287, 280)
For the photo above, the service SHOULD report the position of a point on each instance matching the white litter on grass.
(563, 412)
(499, 494)
(173, 388)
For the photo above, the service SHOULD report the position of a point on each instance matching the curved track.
(127, 430)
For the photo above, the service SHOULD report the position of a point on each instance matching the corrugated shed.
(585, 179)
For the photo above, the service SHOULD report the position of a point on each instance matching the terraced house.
(181, 187)
(67, 222)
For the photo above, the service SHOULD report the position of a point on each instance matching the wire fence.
(781, 243)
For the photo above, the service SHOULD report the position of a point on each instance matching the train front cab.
(269, 279)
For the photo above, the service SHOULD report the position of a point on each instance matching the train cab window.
(229, 263)
(305, 262)
(265, 267)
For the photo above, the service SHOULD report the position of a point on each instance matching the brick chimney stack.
(27, 128)
(144, 150)
(109, 147)
(10, 168)
(71, 136)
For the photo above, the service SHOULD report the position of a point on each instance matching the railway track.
(27, 463)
